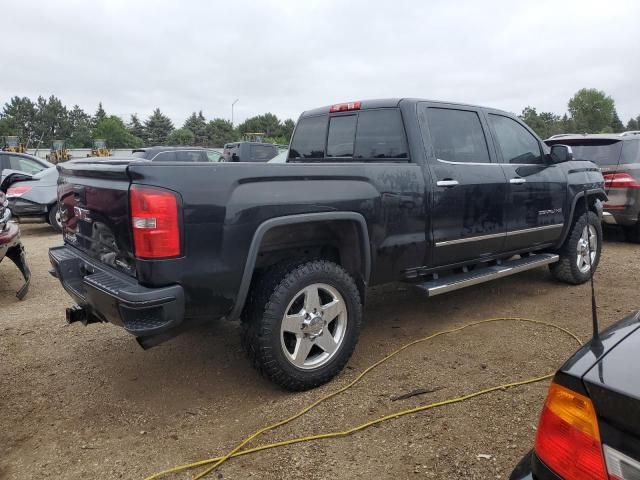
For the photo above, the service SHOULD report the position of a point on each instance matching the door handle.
(447, 183)
(518, 181)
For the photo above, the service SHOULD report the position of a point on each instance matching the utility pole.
(232, 105)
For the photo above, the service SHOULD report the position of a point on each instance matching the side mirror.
(561, 153)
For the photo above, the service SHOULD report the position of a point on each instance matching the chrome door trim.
(480, 238)
(518, 181)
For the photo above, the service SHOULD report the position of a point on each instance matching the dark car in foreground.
(439, 195)
(10, 244)
(589, 428)
(618, 156)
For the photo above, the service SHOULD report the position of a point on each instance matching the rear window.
(457, 136)
(600, 152)
(309, 137)
(380, 135)
(261, 153)
(630, 151)
(368, 135)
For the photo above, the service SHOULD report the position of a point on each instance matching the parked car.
(589, 428)
(10, 245)
(21, 162)
(618, 155)
(177, 154)
(249, 152)
(439, 195)
(34, 198)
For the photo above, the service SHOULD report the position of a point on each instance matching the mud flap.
(17, 255)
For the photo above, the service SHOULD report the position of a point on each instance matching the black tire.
(263, 317)
(567, 270)
(632, 233)
(54, 219)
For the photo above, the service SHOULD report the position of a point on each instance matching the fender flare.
(600, 196)
(267, 225)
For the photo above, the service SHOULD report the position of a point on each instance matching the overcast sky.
(291, 55)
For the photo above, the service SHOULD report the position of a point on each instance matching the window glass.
(517, 144)
(457, 136)
(190, 156)
(631, 151)
(165, 157)
(309, 137)
(261, 153)
(600, 152)
(342, 133)
(380, 135)
(24, 164)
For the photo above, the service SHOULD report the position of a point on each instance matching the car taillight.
(568, 439)
(154, 219)
(344, 107)
(620, 180)
(17, 191)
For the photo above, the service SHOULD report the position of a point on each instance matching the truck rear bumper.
(109, 296)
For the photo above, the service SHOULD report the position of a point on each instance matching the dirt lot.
(80, 402)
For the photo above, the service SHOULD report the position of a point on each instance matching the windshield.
(280, 158)
(140, 154)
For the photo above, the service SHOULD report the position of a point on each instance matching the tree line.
(48, 119)
(589, 111)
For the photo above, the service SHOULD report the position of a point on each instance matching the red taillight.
(154, 218)
(344, 107)
(17, 191)
(568, 439)
(620, 180)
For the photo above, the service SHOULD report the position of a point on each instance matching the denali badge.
(550, 212)
(82, 214)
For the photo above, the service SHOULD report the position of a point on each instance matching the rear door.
(537, 189)
(469, 186)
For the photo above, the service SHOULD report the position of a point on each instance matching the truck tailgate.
(94, 205)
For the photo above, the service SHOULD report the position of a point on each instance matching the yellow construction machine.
(99, 149)
(11, 144)
(58, 152)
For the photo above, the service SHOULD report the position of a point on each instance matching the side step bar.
(453, 282)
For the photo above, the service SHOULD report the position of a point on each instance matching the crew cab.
(440, 195)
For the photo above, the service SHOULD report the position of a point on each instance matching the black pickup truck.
(436, 194)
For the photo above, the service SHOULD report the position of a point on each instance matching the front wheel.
(580, 253)
(303, 324)
(55, 220)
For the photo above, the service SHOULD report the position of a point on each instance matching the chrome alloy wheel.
(314, 326)
(587, 246)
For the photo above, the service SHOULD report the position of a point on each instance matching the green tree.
(80, 128)
(267, 123)
(287, 129)
(19, 115)
(51, 120)
(158, 127)
(219, 132)
(99, 115)
(592, 110)
(632, 124)
(136, 128)
(198, 126)
(114, 131)
(181, 136)
(616, 123)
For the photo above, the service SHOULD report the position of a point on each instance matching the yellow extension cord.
(237, 452)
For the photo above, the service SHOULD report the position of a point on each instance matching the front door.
(469, 187)
(537, 189)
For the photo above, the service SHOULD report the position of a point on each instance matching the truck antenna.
(594, 306)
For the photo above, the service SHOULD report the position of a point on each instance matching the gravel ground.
(87, 402)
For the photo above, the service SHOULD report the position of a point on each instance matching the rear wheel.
(55, 219)
(580, 253)
(303, 323)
